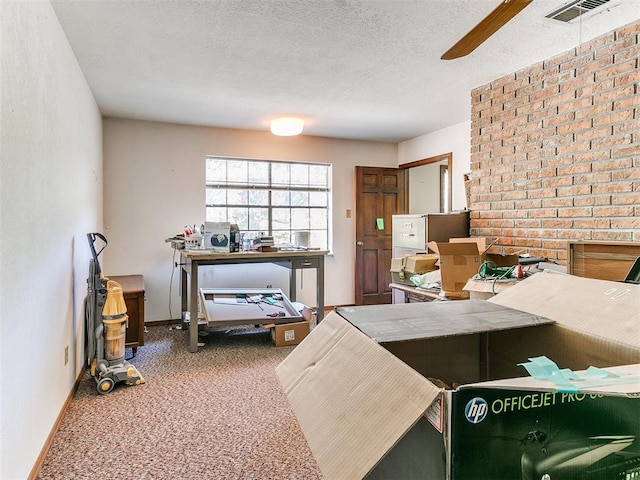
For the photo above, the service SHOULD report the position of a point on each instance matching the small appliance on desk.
(236, 237)
(217, 236)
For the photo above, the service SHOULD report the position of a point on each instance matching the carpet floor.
(219, 413)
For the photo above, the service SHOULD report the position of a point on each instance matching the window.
(278, 198)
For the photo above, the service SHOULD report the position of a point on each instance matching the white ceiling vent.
(575, 9)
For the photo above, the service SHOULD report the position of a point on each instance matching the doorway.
(380, 193)
(431, 177)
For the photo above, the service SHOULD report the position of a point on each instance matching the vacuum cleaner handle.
(91, 237)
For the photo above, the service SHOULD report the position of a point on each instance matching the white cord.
(173, 268)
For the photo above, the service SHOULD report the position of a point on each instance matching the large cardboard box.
(363, 384)
(531, 429)
(461, 258)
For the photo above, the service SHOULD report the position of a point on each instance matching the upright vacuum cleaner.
(106, 324)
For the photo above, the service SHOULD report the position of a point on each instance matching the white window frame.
(227, 175)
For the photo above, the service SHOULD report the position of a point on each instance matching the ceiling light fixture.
(286, 126)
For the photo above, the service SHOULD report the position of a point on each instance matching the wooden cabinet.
(602, 259)
(133, 292)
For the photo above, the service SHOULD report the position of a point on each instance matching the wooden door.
(380, 193)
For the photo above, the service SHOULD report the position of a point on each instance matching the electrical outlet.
(66, 354)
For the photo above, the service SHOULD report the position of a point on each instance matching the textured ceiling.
(358, 69)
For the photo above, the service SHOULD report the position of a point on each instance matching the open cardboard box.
(461, 258)
(359, 385)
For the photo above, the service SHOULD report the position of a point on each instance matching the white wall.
(424, 188)
(50, 196)
(455, 139)
(154, 179)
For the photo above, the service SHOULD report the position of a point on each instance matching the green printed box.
(543, 434)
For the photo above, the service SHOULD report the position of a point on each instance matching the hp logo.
(476, 410)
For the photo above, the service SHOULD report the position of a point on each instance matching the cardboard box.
(404, 267)
(461, 258)
(359, 383)
(398, 275)
(528, 429)
(420, 263)
(287, 334)
(497, 260)
(217, 236)
(479, 289)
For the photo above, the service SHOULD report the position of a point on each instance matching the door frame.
(425, 161)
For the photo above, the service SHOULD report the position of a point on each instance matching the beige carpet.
(216, 414)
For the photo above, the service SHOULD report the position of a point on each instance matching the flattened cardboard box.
(331, 380)
(365, 403)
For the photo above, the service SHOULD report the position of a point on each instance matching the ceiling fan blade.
(487, 27)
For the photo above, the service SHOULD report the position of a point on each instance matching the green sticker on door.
(380, 223)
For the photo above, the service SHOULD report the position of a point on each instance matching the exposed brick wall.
(555, 150)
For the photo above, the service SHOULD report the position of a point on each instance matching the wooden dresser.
(133, 292)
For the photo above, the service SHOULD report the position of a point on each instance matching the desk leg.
(183, 295)
(193, 309)
(320, 290)
(292, 282)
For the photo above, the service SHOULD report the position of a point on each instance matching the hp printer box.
(527, 429)
(388, 391)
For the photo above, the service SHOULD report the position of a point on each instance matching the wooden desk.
(407, 294)
(192, 260)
